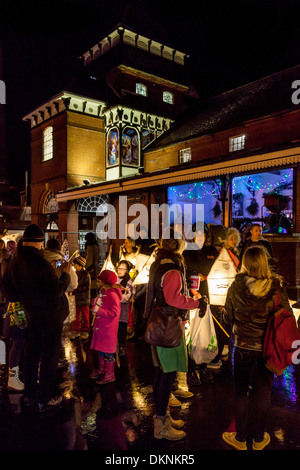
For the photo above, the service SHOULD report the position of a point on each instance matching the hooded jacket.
(248, 305)
(107, 311)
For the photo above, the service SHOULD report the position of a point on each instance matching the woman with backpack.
(250, 301)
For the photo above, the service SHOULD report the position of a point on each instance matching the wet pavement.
(118, 416)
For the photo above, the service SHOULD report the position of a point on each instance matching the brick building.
(128, 91)
(227, 152)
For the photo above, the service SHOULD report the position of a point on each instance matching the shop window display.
(266, 197)
(203, 192)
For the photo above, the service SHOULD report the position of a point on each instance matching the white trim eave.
(57, 104)
(241, 165)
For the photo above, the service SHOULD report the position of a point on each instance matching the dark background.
(230, 42)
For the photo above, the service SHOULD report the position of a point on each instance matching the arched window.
(141, 89)
(50, 203)
(168, 97)
(47, 144)
(92, 204)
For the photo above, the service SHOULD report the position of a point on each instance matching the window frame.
(235, 145)
(168, 93)
(47, 151)
(182, 155)
(143, 87)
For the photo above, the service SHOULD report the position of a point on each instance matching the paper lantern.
(108, 264)
(143, 274)
(220, 278)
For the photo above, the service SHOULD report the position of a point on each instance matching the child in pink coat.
(106, 308)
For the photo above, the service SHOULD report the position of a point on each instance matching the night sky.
(231, 43)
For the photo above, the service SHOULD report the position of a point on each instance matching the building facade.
(130, 124)
(128, 91)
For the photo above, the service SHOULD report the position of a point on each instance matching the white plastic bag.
(203, 345)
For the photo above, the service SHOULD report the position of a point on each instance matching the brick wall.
(86, 148)
(266, 133)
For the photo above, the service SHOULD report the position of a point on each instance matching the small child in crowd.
(106, 308)
(125, 280)
(81, 325)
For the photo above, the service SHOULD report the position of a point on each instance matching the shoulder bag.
(164, 327)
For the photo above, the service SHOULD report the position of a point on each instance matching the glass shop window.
(266, 198)
(194, 196)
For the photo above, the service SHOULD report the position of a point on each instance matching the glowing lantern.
(220, 278)
(108, 264)
(143, 274)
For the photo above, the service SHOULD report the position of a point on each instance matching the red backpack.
(281, 333)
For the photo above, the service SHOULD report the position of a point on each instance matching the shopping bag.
(203, 344)
(72, 308)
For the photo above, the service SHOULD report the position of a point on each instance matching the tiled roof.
(263, 97)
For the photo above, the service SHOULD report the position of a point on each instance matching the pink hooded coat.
(107, 307)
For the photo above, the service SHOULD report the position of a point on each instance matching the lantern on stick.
(220, 278)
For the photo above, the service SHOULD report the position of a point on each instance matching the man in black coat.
(32, 280)
(256, 238)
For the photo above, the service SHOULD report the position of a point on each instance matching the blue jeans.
(108, 356)
(253, 386)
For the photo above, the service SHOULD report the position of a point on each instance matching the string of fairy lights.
(202, 189)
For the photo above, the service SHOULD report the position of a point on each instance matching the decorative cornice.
(130, 37)
(140, 119)
(65, 101)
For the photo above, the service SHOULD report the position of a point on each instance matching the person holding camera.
(32, 280)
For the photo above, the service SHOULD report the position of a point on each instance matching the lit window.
(141, 89)
(237, 143)
(185, 155)
(48, 144)
(168, 97)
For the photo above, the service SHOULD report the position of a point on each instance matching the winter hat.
(80, 260)
(33, 233)
(108, 277)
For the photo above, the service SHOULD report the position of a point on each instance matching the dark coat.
(32, 280)
(83, 291)
(248, 305)
(200, 261)
(157, 270)
(262, 242)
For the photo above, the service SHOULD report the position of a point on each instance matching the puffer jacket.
(248, 305)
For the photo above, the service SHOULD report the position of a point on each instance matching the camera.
(58, 264)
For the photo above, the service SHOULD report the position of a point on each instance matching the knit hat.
(108, 277)
(80, 260)
(33, 233)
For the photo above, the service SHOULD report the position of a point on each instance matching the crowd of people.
(113, 305)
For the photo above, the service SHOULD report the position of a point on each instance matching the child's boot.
(97, 374)
(109, 373)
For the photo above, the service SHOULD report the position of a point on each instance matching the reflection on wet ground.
(118, 416)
